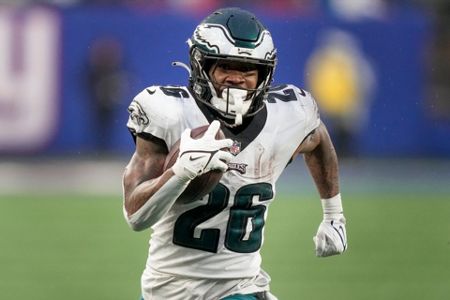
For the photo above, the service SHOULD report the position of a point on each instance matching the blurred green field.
(79, 247)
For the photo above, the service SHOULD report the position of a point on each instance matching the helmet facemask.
(232, 102)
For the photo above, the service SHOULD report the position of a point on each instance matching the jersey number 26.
(239, 237)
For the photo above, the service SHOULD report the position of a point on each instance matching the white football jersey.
(220, 236)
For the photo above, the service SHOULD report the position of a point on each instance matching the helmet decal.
(204, 33)
(216, 38)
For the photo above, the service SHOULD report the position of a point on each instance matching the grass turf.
(79, 247)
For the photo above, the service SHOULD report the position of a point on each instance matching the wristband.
(332, 207)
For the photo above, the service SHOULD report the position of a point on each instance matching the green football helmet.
(231, 35)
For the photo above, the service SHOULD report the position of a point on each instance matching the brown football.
(203, 184)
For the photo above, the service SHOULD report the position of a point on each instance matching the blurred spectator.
(354, 10)
(439, 64)
(102, 2)
(341, 79)
(59, 3)
(276, 6)
(198, 6)
(107, 84)
(206, 6)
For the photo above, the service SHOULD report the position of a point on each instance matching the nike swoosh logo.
(195, 158)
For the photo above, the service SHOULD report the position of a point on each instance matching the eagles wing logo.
(137, 114)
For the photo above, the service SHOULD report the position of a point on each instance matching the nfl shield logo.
(235, 148)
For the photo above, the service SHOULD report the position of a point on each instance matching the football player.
(210, 248)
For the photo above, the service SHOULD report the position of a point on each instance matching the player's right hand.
(199, 156)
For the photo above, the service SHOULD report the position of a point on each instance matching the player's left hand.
(331, 237)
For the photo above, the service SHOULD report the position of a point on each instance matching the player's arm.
(143, 178)
(322, 162)
(149, 191)
(321, 159)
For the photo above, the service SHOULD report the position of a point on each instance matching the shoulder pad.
(285, 93)
(155, 109)
(298, 101)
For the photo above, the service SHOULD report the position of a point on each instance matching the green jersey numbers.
(176, 92)
(242, 235)
(208, 239)
(283, 93)
(245, 223)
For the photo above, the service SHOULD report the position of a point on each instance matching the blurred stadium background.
(380, 70)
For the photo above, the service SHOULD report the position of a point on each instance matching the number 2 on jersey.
(245, 223)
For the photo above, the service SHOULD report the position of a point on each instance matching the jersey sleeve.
(310, 109)
(155, 113)
(311, 112)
